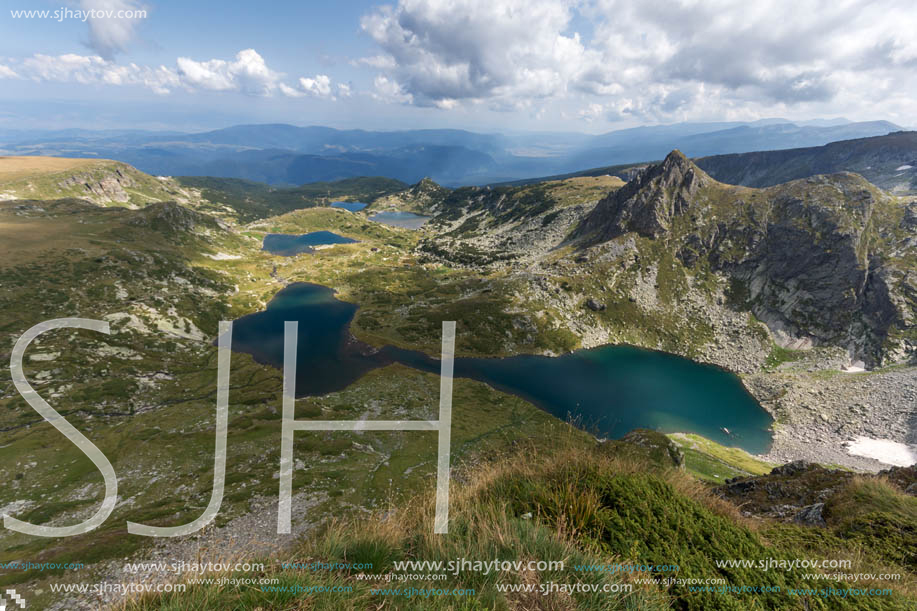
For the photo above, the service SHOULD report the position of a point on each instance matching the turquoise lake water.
(288, 245)
(407, 220)
(608, 390)
(352, 206)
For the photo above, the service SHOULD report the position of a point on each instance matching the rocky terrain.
(421, 198)
(789, 286)
(822, 261)
(806, 290)
(805, 492)
(102, 182)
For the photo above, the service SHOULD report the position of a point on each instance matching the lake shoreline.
(816, 421)
(613, 389)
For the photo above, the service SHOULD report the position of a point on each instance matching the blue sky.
(573, 65)
(297, 34)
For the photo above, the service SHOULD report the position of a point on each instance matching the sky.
(486, 65)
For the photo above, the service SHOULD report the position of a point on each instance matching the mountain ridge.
(889, 162)
(104, 182)
(809, 257)
(289, 154)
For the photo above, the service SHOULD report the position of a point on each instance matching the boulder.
(594, 305)
(811, 515)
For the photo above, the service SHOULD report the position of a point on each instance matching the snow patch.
(222, 256)
(883, 450)
(903, 167)
(855, 367)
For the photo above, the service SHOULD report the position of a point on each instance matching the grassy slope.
(710, 461)
(401, 301)
(17, 168)
(44, 178)
(584, 504)
(146, 398)
(77, 263)
(250, 201)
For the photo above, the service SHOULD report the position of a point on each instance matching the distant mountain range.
(889, 162)
(289, 155)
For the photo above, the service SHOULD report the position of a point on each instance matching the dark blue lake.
(351, 206)
(288, 245)
(406, 220)
(611, 389)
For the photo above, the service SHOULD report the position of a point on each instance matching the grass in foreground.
(586, 506)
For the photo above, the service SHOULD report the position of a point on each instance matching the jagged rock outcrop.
(648, 203)
(423, 197)
(101, 181)
(822, 261)
(102, 187)
(427, 193)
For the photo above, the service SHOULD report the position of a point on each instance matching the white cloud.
(318, 87)
(651, 60)
(591, 112)
(380, 62)
(386, 90)
(637, 60)
(92, 69)
(442, 51)
(683, 58)
(248, 74)
(112, 24)
(290, 92)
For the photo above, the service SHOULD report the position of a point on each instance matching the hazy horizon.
(217, 126)
(588, 66)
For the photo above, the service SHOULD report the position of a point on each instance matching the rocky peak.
(427, 187)
(648, 203)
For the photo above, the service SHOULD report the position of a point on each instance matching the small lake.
(288, 245)
(351, 206)
(405, 220)
(610, 390)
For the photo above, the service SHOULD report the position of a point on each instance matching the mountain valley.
(807, 290)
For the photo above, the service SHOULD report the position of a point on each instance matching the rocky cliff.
(826, 260)
(100, 181)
